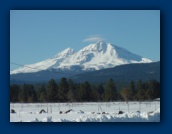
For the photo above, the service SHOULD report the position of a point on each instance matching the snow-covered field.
(86, 112)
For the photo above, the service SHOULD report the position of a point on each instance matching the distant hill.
(123, 73)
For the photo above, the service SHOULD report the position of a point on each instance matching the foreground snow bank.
(86, 112)
(113, 117)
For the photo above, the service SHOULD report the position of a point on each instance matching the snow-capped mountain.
(92, 57)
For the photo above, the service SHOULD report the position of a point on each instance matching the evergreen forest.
(66, 90)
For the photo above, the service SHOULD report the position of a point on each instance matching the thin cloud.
(95, 35)
(93, 38)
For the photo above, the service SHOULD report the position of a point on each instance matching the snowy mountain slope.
(46, 64)
(92, 57)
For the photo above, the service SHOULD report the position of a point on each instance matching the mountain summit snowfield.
(96, 56)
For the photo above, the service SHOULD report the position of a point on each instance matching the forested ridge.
(121, 73)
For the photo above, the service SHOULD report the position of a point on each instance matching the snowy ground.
(86, 112)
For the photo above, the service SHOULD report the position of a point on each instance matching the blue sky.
(37, 35)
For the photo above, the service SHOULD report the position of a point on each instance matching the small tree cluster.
(144, 91)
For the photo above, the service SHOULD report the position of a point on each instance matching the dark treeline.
(69, 91)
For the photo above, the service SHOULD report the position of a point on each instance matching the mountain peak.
(101, 42)
(66, 52)
(99, 46)
(95, 56)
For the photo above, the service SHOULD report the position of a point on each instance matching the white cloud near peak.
(93, 38)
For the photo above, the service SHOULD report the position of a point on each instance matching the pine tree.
(52, 91)
(79, 92)
(94, 95)
(149, 94)
(85, 90)
(63, 90)
(43, 97)
(42, 94)
(23, 94)
(110, 91)
(31, 94)
(133, 90)
(139, 85)
(14, 92)
(155, 87)
(157, 90)
(101, 92)
(71, 92)
(141, 91)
